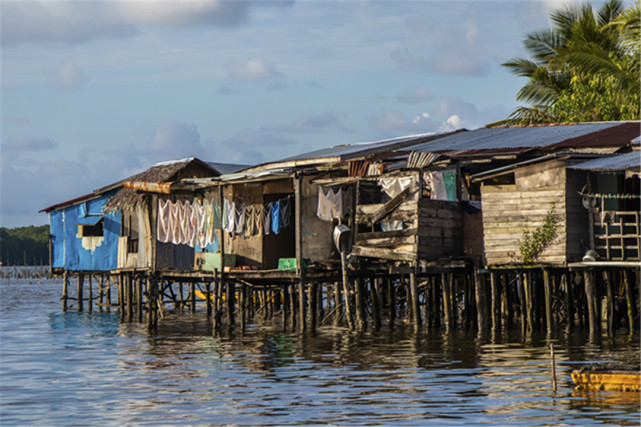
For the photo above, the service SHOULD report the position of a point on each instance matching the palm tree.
(584, 68)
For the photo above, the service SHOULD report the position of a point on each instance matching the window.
(97, 230)
(91, 226)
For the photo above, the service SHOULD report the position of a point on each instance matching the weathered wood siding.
(317, 234)
(440, 229)
(248, 250)
(508, 210)
(398, 245)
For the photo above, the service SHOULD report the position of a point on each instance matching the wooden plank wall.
(508, 210)
(317, 234)
(440, 229)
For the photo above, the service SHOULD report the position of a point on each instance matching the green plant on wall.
(533, 242)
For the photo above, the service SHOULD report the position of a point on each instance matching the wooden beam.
(388, 207)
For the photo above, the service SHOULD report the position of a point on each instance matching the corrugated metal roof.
(519, 137)
(225, 168)
(619, 162)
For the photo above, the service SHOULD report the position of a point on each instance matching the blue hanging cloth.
(276, 221)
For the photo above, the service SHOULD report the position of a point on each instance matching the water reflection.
(65, 368)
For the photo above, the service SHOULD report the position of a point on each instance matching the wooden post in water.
(359, 304)
(376, 302)
(90, 295)
(553, 367)
(391, 301)
(121, 296)
(229, 299)
(108, 293)
(313, 305)
(590, 296)
(284, 305)
(495, 289)
(130, 297)
(481, 300)
(346, 293)
(65, 287)
(101, 292)
(416, 314)
(447, 280)
(547, 287)
(609, 302)
(631, 302)
(208, 296)
(192, 297)
(139, 310)
(81, 278)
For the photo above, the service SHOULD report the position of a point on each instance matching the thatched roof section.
(163, 172)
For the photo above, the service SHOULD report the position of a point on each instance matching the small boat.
(600, 377)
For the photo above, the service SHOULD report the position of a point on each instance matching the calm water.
(88, 369)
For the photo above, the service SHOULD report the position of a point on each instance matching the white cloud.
(175, 140)
(313, 123)
(72, 21)
(416, 95)
(248, 147)
(452, 123)
(18, 143)
(68, 76)
(253, 70)
(394, 123)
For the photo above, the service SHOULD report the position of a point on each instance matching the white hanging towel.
(393, 186)
(437, 185)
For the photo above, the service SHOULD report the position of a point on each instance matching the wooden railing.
(617, 235)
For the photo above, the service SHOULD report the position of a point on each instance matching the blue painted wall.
(67, 247)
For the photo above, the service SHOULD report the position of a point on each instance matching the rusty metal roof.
(536, 137)
(620, 162)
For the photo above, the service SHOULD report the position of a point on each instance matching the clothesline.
(194, 223)
(611, 196)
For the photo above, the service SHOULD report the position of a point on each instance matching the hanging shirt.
(285, 212)
(330, 204)
(259, 212)
(240, 220)
(267, 225)
(393, 186)
(229, 216)
(437, 185)
(276, 221)
(162, 221)
(250, 221)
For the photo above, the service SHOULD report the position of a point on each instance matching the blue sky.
(94, 91)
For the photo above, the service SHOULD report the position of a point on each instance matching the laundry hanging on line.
(187, 223)
(330, 204)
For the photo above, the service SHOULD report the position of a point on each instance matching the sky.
(93, 91)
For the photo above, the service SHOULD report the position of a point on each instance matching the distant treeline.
(24, 245)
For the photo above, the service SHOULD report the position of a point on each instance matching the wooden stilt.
(65, 287)
(481, 300)
(495, 301)
(139, 308)
(81, 278)
(130, 297)
(208, 295)
(376, 302)
(346, 294)
(359, 304)
(547, 287)
(313, 305)
(101, 292)
(229, 299)
(90, 295)
(447, 280)
(192, 297)
(416, 314)
(631, 302)
(391, 301)
(588, 278)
